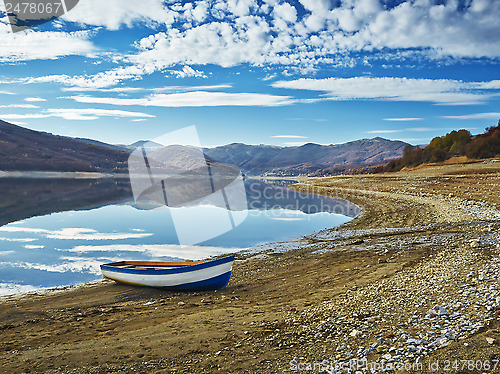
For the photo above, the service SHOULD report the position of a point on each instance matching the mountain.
(24, 149)
(146, 144)
(116, 147)
(310, 157)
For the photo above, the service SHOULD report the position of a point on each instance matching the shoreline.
(60, 175)
(366, 284)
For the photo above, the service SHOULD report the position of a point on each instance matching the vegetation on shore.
(455, 143)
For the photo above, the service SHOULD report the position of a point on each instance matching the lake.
(56, 233)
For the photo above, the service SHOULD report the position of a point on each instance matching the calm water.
(67, 247)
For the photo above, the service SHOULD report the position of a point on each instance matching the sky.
(281, 72)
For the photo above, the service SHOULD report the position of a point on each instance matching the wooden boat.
(181, 276)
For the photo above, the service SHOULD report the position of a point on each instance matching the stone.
(490, 341)
(354, 333)
(437, 310)
(474, 243)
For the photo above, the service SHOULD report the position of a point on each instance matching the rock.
(474, 243)
(490, 341)
(181, 303)
(437, 310)
(387, 356)
(354, 333)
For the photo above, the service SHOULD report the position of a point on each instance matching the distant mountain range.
(308, 158)
(24, 149)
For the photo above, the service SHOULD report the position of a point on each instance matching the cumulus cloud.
(46, 45)
(243, 32)
(186, 72)
(282, 33)
(228, 33)
(113, 14)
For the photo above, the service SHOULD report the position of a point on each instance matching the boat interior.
(152, 265)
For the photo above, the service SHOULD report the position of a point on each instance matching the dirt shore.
(361, 291)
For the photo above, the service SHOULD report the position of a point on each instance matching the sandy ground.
(320, 298)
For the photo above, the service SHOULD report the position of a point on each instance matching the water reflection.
(29, 197)
(58, 232)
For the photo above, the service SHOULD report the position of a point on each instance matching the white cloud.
(77, 114)
(24, 240)
(491, 115)
(193, 99)
(424, 129)
(38, 45)
(415, 140)
(30, 246)
(438, 91)
(286, 12)
(114, 14)
(383, 131)
(274, 34)
(23, 106)
(238, 32)
(35, 99)
(234, 32)
(404, 119)
(128, 89)
(186, 72)
(6, 92)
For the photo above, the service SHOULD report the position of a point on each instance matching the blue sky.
(256, 71)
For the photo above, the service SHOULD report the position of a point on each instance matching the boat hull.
(210, 275)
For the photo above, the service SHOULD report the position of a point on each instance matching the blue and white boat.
(179, 276)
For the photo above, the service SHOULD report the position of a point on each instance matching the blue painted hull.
(208, 275)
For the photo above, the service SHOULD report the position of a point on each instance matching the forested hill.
(24, 149)
(455, 143)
